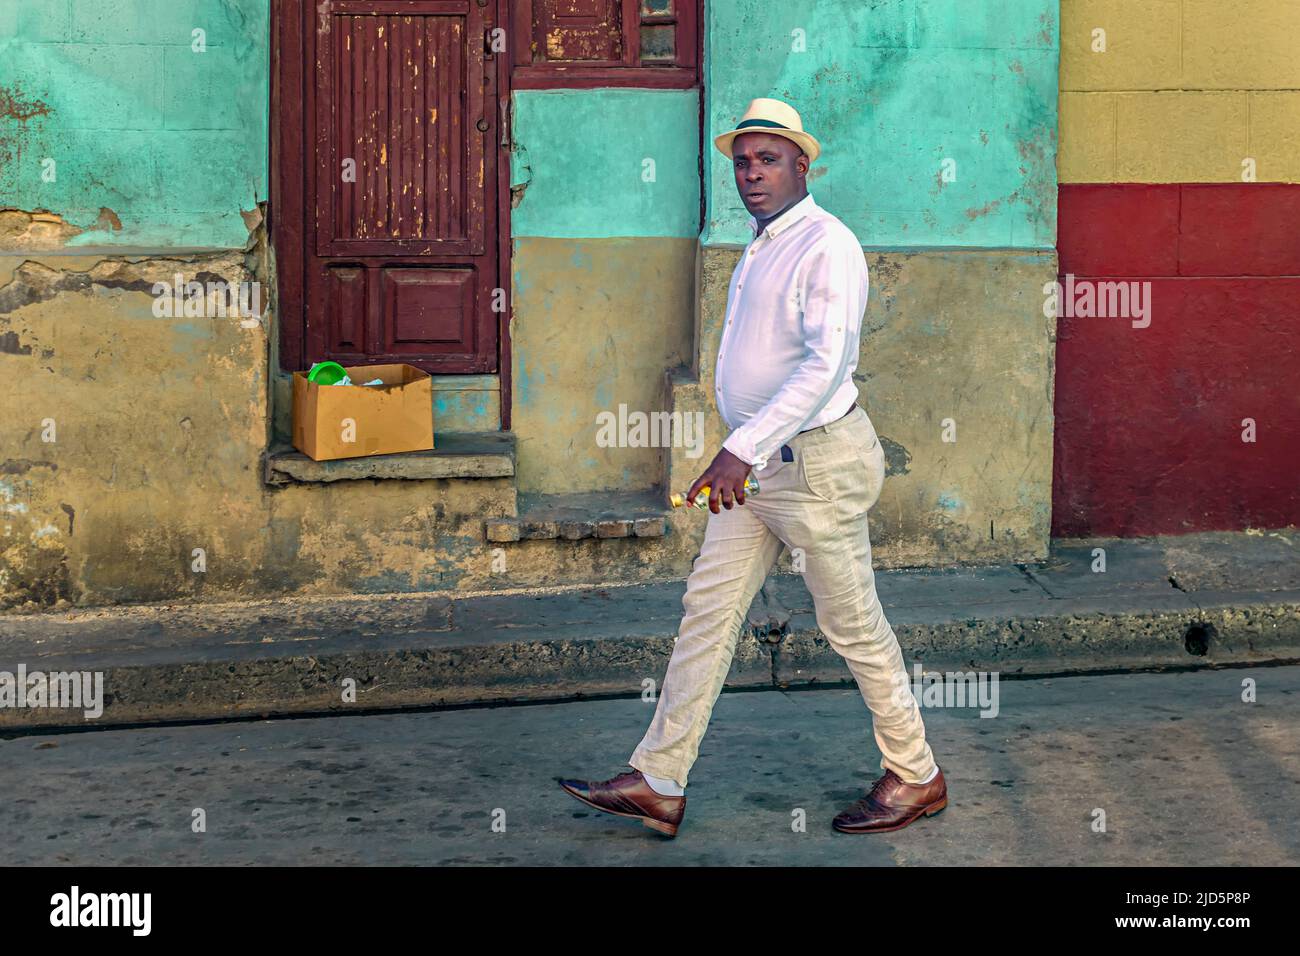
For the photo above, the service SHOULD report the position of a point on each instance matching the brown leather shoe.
(892, 804)
(628, 795)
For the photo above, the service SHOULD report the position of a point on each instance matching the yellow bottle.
(702, 498)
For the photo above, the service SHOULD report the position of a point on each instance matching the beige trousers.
(817, 506)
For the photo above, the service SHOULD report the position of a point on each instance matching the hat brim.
(804, 141)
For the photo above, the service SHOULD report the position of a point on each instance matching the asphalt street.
(1184, 770)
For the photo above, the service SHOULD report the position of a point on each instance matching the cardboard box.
(352, 421)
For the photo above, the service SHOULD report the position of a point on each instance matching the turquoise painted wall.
(581, 158)
(891, 90)
(173, 141)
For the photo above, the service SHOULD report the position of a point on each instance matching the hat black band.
(762, 122)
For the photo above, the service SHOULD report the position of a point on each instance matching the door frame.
(286, 213)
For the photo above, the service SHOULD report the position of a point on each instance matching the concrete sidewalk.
(1162, 603)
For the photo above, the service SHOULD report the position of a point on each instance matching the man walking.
(785, 387)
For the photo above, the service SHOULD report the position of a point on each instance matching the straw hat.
(770, 116)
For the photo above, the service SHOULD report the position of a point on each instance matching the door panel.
(347, 304)
(402, 131)
(580, 31)
(427, 309)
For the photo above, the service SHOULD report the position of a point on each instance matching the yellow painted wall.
(597, 323)
(1185, 91)
(127, 440)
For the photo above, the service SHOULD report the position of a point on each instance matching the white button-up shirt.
(790, 340)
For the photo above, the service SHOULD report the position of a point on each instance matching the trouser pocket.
(818, 465)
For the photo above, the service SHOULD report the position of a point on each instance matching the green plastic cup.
(326, 373)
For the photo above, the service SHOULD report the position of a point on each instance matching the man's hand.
(725, 477)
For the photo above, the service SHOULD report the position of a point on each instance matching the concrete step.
(455, 455)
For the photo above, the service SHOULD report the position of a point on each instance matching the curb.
(431, 668)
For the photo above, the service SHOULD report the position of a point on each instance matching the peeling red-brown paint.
(1039, 153)
(1029, 149)
(984, 210)
(108, 220)
(1047, 35)
(15, 105)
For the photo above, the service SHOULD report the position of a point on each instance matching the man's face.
(769, 172)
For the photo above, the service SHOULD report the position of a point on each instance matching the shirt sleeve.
(832, 288)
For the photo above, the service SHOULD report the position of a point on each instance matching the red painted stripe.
(1117, 229)
(1187, 229)
(1251, 229)
(1148, 421)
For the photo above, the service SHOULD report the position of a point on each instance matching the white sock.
(934, 773)
(664, 787)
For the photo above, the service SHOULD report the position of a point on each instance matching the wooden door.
(399, 137)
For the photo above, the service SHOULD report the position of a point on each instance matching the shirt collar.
(788, 218)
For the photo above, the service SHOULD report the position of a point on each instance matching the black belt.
(787, 453)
